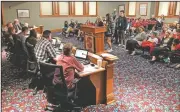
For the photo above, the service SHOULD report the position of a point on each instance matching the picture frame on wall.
(121, 7)
(23, 13)
(143, 9)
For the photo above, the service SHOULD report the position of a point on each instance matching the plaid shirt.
(44, 50)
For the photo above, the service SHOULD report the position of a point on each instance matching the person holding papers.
(69, 63)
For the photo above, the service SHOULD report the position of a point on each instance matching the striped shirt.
(44, 50)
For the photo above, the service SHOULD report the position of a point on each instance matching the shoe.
(110, 50)
(177, 66)
(133, 53)
(122, 46)
(152, 61)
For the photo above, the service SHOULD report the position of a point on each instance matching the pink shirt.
(70, 64)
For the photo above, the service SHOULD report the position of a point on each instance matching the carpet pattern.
(138, 87)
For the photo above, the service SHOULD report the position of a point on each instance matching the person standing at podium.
(99, 21)
(121, 25)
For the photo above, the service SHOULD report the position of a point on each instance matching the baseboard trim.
(56, 30)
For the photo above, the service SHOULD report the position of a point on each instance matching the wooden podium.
(94, 38)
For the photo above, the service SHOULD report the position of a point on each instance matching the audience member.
(11, 38)
(109, 31)
(22, 37)
(153, 18)
(30, 44)
(151, 42)
(70, 28)
(77, 29)
(26, 25)
(136, 42)
(165, 45)
(69, 63)
(17, 26)
(44, 48)
(163, 32)
(65, 26)
(121, 25)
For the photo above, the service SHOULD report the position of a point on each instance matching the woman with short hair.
(137, 41)
(69, 64)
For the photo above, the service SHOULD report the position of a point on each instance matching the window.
(168, 9)
(178, 8)
(163, 8)
(46, 8)
(63, 8)
(70, 9)
(132, 9)
(92, 8)
(78, 8)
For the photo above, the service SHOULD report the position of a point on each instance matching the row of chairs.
(42, 74)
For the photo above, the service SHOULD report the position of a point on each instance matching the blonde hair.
(99, 18)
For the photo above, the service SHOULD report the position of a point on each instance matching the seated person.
(163, 32)
(135, 26)
(65, 26)
(151, 42)
(165, 45)
(30, 44)
(69, 63)
(44, 49)
(11, 38)
(77, 29)
(17, 26)
(26, 25)
(70, 28)
(137, 41)
(99, 21)
(174, 25)
(22, 37)
(8, 25)
(177, 36)
(176, 45)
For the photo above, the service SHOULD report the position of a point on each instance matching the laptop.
(81, 54)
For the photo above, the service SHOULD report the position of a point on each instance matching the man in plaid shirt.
(44, 48)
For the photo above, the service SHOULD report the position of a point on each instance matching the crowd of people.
(161, 40)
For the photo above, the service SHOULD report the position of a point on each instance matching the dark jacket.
(17, 27)
(100, 24)
(121, 23)
(169, 43)
(30, 44)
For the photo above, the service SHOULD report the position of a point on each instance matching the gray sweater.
(140, 36)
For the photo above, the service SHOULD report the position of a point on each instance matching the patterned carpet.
(138, 87)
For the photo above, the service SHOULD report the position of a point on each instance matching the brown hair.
(10, 30)
(67, 49)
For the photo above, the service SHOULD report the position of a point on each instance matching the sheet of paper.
(107, 55)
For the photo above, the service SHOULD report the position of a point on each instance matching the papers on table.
(88, 69)
(107, 55)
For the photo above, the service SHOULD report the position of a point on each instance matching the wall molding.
(56, 30)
